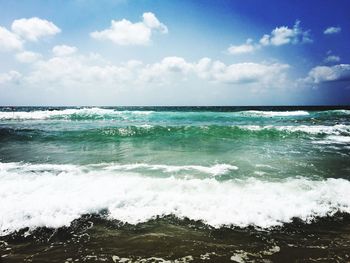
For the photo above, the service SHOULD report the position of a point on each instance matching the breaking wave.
(37, 195)
(339, 132)
(115, 114)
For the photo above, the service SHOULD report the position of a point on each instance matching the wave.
(49, 195)
(70, 114)
(205, 131)
(334, 112)
(275, 113)
(295, 113)
(119, 114)
(334, 139)
(309, 129)
(217, 169)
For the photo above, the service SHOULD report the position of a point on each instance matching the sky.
(183, 52)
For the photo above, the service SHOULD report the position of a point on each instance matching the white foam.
(339, 139)
(334, 139)
(259, 173)
(264, 166)
(317, 129)
(217, 169)
(276, 113)
(134, 259)
(311, 129)
(66, 113)
(54, 195)
(240, 256)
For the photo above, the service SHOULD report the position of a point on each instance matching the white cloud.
(332, 58)
(245, 73)
(27, 57)
(331, 30)
(172, 69)
(265, 40)
(320, 74)
(82, 71)
(34, 28)
(63, 50)
(124, 32)
(9, 41)
(150, 20)
(281, 36)
(161, 72)
(170, 80)
(284, 35)
(248, 47)
(9, 76)
(77, 71)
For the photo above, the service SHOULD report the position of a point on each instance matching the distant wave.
(49, 195)
(334, 112)
(71, 114)
(312, 129)
(102, 113)
(294, 113)
(276, 113)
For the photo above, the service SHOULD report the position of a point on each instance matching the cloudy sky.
(183, 52)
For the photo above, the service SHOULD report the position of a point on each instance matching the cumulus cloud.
(150, 20)
(124, 32)
(23, 30)
(244, 73)
(77, 71)
(63, 50)
(321, 74)
(332, 30)
(284, 35)
(32, 29)
(248, 47)
(9, 76)
(167, 80)
(27, 57)
(162, 71)
(213, 71)
(9, 41)
(331, 59)
(82, 71)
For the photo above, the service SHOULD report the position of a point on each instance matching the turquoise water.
(243, 175)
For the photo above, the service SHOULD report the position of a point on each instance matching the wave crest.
(157, 131)
(70, 114)
(55, 195)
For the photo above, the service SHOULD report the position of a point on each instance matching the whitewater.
(51, 196)
(261, 175)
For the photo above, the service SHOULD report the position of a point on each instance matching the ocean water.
(175, 184)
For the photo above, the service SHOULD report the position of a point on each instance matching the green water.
(220, 184)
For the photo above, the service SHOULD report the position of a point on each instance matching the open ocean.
(175, 184)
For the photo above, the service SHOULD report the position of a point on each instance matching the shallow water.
(151, 184)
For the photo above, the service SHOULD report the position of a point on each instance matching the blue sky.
(124, 52)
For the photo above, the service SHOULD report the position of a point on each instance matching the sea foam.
(276, 113)
(95, 112)
(67, 114)
(217, 169)
(310, 129)
(54, 195)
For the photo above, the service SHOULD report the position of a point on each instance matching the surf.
(47, 195)
(96, 113)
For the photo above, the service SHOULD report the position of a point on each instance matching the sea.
(175, 184)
